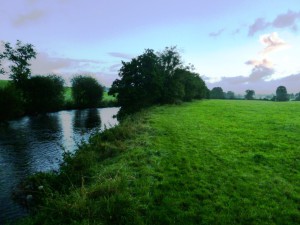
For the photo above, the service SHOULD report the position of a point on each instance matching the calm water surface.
(36, 143)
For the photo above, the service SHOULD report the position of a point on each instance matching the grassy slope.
(208, 162)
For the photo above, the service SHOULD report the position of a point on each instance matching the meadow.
(205, 162)
(3, 83)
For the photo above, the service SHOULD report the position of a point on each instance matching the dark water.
(33, 144)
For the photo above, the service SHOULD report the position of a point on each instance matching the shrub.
(86, 91)
(11, 103)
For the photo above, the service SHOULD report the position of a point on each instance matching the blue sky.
(233, 44)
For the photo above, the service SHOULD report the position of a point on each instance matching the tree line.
(281, 94)
(27, 94)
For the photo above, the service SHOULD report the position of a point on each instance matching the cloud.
(255, 62)
(272, 43)
(285, 20)
(262, 69)
(239, 84)
(217, 33)
(259, 24)
(45, 64)
(29, 17)
(260, 72)
(115, 68)
(120, 55)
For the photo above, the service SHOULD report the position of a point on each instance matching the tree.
(297, 97)
(86, 91)
(11, 103)
(19, 57)
(1, 68)
(217, 93)
(44, 93)
(171, 66)
(281, 94)
(249, 94)
(140, 84)
(230, 95)
(156, 78)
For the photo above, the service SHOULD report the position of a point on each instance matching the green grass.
(206, 162)
(3, 83)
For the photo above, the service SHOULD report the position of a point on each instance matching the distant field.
(206, 162)
(3, 83)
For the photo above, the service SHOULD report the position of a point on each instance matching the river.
(36, 143)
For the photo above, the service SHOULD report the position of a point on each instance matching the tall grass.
(206, 162)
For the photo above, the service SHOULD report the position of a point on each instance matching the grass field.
(206, 162)
(3, 83)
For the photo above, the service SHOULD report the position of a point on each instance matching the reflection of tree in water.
(45, 126)
(93, 119)
(87, 119)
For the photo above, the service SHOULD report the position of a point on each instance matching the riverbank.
(205, 162)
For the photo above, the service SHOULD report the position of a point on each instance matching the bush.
(44, 94)
(86, 91)
(11, 103)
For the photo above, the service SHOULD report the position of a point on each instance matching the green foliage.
(44, 93)
(156, 78)
(281, 94)
(11, 102)
(249, 94)
(217, 93)
(297, 97)
(19, 56)
(241, 168)
(230, 95)
(86, 91)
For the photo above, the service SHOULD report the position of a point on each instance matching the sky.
(233, 44)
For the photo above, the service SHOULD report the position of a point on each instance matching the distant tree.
(44, 93)
(217, 93)
(291, 96)
(230, 95)
(86, 91)
(11, 102)
(297, 96)
(281, 94)
(19, 57)
(249, 94)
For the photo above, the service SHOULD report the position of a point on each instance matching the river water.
(36, 143)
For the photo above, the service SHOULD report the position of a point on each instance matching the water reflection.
(37, 143)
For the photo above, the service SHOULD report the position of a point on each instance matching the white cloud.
(272, 43)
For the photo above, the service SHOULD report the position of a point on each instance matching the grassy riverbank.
(206, 162)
